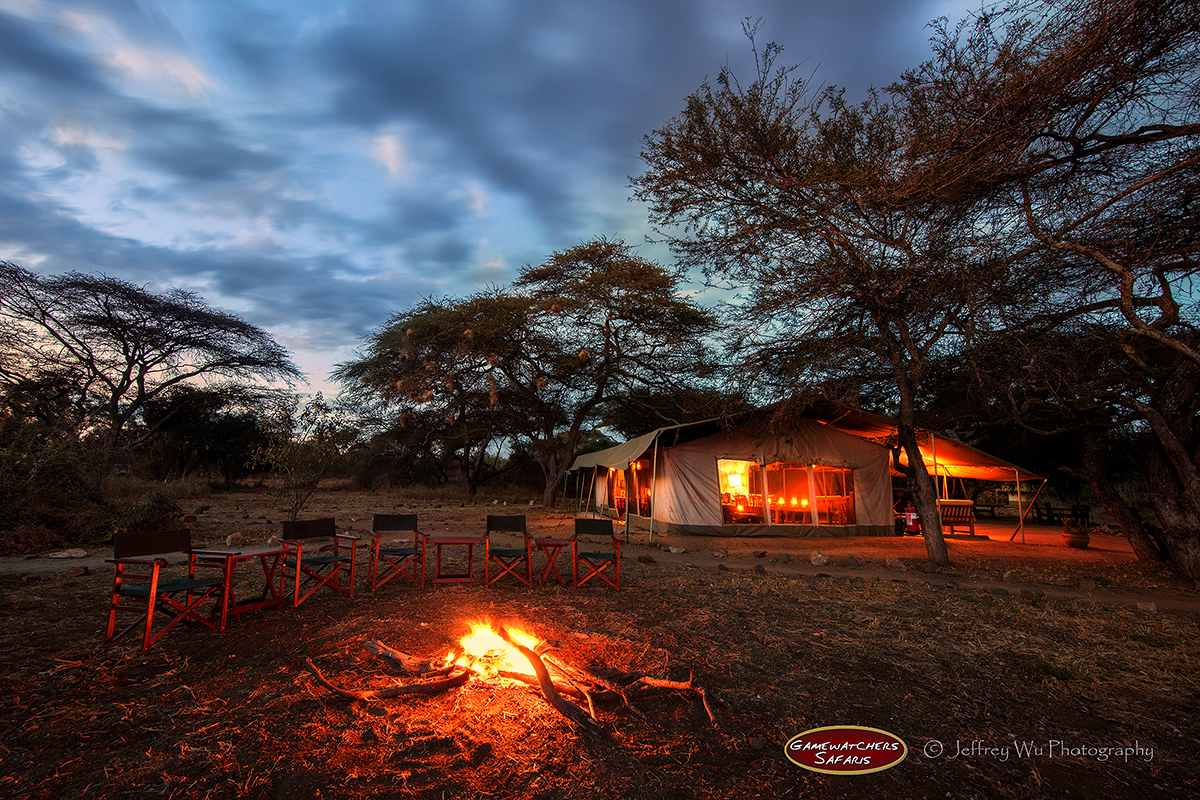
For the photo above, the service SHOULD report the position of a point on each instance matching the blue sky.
(315, 166)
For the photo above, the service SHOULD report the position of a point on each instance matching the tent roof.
(942, 456)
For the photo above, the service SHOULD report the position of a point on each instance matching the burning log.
(565, 707)
(507, 652)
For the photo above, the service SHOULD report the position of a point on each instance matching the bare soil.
(1084, 655)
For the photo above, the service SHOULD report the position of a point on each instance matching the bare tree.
(119, 346)
(538, 362)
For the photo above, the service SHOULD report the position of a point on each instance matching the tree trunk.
(1173, 467)
(1095, 473)
(920, 484)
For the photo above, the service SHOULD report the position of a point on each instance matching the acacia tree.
(800, 200)
(536, 363)
(120, 346)
(1080, 121)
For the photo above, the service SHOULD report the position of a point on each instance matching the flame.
(483, 647)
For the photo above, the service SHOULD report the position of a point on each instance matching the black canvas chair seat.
(509, 560)
(389, 561)
(142, 584)
(311, 572)
(596, 564)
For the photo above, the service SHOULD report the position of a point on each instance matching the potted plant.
(1075, 533)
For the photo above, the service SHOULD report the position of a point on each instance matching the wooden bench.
(957, 514)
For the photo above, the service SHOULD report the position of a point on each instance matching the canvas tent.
(829, 475)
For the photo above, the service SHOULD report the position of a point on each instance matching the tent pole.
(653, 485)
(766, 496)
(1021, 523)
(1021, 517)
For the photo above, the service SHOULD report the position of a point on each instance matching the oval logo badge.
(846, 750)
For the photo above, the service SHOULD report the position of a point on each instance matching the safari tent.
(828, 475)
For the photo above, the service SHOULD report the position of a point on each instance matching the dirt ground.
(1023, 670)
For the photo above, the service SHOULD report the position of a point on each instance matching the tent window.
(835, 495)
(741, 491)
(616, 489)
(639, 472)
(787, 486)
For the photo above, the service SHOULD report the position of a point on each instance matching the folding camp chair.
(508, 559)
(596, 563)
(396, 560)
(317, 569)
(141, 583)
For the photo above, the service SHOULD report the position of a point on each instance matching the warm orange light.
(741, 507)
(793, 501)
(486, 649)
(804, 502)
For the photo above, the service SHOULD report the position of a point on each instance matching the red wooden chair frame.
(140, 584)
(508, 559)
(397, 560)
(595, 564)
(318, 570)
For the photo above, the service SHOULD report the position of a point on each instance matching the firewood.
(565, 707)
(433, 687)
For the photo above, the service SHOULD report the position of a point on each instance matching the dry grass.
(234, 714)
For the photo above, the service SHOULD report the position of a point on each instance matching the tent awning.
(942, 455)
(618, 457)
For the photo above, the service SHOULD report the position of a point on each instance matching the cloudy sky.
(315, 165)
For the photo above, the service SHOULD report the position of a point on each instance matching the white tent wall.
(687, 495)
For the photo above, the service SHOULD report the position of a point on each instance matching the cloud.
(388, 150)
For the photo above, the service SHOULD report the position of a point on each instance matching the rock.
(761, 554)
(646, 559)
(80, 571)
(74, 552)
(495, 502)
(999, 590)
(818, 559)
(760, 569)
(785, 558)
(720, 553)
(235, 540)
(676, 550)
(895, 563)
(1008, 574)
(1141, 606)
(851, 562)
(30, 556)
(200, 510)
(722, 568)
(929, 567)
(532, 502)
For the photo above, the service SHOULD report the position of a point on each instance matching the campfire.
(499, 652)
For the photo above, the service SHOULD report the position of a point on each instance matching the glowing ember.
(483, 647)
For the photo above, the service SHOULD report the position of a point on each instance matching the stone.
(74, 552)
(760, 569)
(646, 559)
(818, 559)
(79, 572)
(761, 554)
(676, 550)
(1141, 606)
(895, 563)
(720, 553)
(851, 562)
(785, 558)
(722, 568)
(235, 540)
